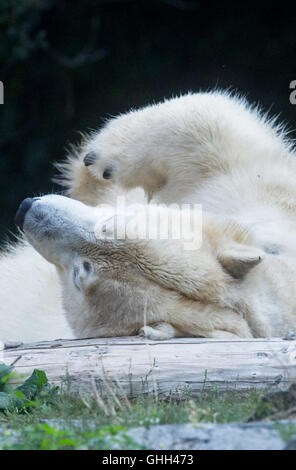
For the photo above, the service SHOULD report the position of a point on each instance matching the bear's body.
(205, 148)
(31, 302)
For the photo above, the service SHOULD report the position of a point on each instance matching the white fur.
(31, 303)
(206, 148)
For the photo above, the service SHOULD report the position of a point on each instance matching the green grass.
(36, 415)
(98, 428)
(286, 430)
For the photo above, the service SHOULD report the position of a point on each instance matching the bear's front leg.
(111, 158)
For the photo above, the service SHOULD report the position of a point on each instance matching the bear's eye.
(87, 266)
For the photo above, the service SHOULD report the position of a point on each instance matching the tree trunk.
(133, 365)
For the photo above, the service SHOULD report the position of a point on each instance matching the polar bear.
(211, 149)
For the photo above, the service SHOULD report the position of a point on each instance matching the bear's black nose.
(22, 210)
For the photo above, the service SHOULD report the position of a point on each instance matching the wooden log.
(134, 365)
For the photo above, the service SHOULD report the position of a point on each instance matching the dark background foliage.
(67, 65)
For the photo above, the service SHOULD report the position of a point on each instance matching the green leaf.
(9, 402)
(34, 384)
(23, 397)
(68, 442)
(52, 431)
(5, 373)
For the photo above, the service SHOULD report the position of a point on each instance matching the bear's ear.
(239, 259)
